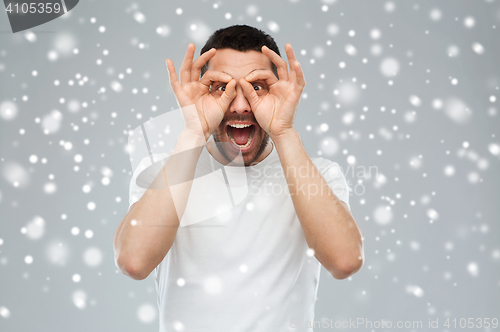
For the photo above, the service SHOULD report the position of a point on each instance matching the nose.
(240, 103)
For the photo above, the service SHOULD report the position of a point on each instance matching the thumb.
(228, 95)
(250, 93)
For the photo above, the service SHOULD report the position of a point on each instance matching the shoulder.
(144, 172)
(149, 160)
(325, 165)
(323, 161)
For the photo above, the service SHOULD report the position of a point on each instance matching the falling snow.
(408, 111)
(147, 313)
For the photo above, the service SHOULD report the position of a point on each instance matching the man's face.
(239, 130)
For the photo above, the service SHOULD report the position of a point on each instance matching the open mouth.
(241, 134)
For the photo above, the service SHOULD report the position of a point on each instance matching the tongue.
(241, 135)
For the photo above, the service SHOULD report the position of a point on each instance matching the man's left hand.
(275, 111)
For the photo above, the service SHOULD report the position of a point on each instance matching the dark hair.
(240, 38)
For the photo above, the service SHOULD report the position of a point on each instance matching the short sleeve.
(334, 177)
(136, 190)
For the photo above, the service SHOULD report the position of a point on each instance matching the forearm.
(147, 232)
(329, 228)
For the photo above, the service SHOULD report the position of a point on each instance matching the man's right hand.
(208, 111)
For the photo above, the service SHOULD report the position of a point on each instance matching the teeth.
(247, 143)
(239, 125)
(242, 146)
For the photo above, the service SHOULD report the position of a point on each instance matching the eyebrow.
(249, 72)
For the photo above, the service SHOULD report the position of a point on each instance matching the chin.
(246, 137)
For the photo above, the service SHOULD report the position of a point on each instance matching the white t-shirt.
(245, 269)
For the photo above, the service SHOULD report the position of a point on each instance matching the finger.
(292, 60)
(262, 74)
(278, 61)
(172, 75)
(228, 95)
(185, 71)
(296, 73)
(249, 93)
(174, 82)
(200, 62)
(214, 76)
(301, 81)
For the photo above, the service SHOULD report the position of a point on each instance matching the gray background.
(434, 255)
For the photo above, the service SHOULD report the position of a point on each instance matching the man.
(259, 269)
